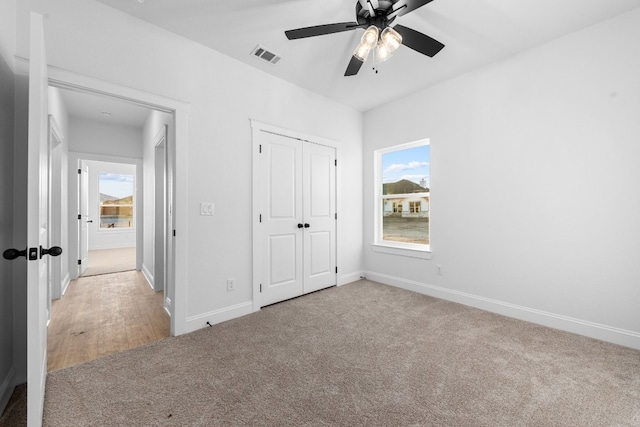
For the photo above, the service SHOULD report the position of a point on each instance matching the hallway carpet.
(363, 354)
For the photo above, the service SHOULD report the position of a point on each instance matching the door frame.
(76, 161)
(177, 166)
(56, 179)
(159, 221)
(258, 127)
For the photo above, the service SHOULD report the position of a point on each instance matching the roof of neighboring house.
(404, 186)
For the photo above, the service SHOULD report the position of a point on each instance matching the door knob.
(12, 254)
(306, 225)
(53, 251)
(30, 253)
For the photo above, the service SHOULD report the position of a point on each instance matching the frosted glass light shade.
(390, 41)
(367, 42)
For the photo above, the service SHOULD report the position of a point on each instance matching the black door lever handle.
(300, 226)
(12, 254)
(306, 225)
(53, 251)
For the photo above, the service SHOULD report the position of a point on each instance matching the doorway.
(109, 203)
(111, 308)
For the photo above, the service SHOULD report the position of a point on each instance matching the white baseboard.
(6, 389)
(557, 321)
(147, 275)
(112, 246)
(217, 316)
(65, 283)
(349, 278)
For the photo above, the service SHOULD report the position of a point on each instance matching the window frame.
(414, 250)
(101, 229)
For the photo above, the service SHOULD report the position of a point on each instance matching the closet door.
(319, 211)
(298, 223)
(281, 241)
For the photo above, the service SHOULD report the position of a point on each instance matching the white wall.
(94, 137)
(223, 95)
(534, 179)
(109, 238)
(59, 200)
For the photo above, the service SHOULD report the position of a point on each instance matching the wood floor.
(105, 314)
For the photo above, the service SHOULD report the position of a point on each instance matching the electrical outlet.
(231, 285)
(439, 269)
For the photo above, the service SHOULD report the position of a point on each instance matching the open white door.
(37, 225)
(83, 217)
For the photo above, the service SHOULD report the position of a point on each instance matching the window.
(403, 198)
(116, 200)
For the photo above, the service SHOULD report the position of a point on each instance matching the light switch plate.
(207, 208)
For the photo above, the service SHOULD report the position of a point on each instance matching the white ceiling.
(475, 33)
(103, 109)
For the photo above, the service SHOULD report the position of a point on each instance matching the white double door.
(298, 217)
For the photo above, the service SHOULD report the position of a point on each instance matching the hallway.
(104, 314)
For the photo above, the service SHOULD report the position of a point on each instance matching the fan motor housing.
(363, 16)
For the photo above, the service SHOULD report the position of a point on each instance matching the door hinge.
(336, 270)
(174, 233)
(260, 287)
(260, 149)
(336, 162)
(336, 217)
(79, 216)
(79, 171)
(260, 217)
(79, 262)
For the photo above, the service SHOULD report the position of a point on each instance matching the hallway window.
(116, 200)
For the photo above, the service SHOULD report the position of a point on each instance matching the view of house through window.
(404, 194)
(116, 200)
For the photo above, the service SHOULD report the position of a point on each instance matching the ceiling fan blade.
(353, 67)
(419, 42)
(402, 7)
(320, 30)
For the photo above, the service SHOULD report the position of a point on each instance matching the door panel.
(283, 259)
(319, 210)
(283, 189)
(37, 223)
(319, 253)
(282, 239)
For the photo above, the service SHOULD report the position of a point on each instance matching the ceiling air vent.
(265, 54)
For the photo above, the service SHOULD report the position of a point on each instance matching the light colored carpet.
(105, 261)
(363, 354)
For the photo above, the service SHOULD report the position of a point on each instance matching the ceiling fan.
(376, 16)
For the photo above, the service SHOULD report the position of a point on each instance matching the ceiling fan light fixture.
(367, 42)
(391, 39)
(370, 36)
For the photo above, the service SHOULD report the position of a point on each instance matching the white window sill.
(395, 250)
